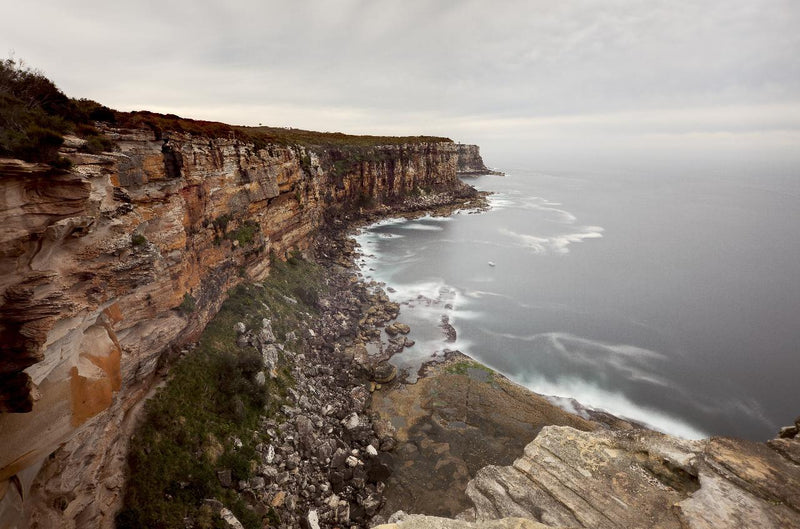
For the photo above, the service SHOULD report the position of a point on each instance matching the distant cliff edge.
(470, 162)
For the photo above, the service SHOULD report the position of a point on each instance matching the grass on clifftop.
(310, 138)
(261, 136)
(211, 398)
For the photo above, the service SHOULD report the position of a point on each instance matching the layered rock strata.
(470, 162)
(640, 478)
(448, 428)
(109, 266)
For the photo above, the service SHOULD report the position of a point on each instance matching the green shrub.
(137, 239)
(245, 233)
(188, 305)
(35, 115)
(96, 144)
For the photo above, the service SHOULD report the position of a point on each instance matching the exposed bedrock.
(470, 161)
(107, 268)
(638, 479)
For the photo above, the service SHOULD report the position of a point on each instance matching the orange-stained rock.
(95, 263)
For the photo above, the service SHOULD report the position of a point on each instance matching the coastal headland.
(187, 342)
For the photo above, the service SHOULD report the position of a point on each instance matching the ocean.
(673, 300)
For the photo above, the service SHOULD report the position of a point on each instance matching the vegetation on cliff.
(35, 115)
(207, 415)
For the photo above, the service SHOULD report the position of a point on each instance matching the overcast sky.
(550, 82)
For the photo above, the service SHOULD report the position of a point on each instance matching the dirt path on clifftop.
(459, 417)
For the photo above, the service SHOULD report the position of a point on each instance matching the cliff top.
(263, 135)
(35, 115)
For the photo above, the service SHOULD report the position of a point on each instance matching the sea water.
(670, 300)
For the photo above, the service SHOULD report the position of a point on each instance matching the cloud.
(470, 69)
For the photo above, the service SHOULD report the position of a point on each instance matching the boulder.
(229, 518)
(384, 373)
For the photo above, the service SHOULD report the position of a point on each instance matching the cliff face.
(107, 268)
(470, 161)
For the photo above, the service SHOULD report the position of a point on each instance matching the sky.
(565, 84)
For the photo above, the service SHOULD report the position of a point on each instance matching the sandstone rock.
(75, 284)
(351, 422)
(229, 518)
(418, 521)
(339, 458)
(313, 519)
(640, 478)
(384, 373)
(265, 335)
(224, 477)
(402, 328)
(278, 499)
(268, 472)
(470, 162)
(788, 432)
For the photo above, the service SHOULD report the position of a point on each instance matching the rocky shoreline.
(323, 459)
(358, 443)
(438, 447)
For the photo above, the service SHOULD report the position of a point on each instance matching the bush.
(96, 144)
(188, 305)
(245, 233)
(35, 115)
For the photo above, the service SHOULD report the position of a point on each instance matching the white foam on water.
(466, 315)
(391, 221)
(500, 201)
(615, 403)
(421, 226)
(439, 218)
(554, 244)
(569, 405)
(548, 207)
(478, 294)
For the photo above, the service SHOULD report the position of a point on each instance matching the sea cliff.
(112, 269)
(470, 161)
(110, 266)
